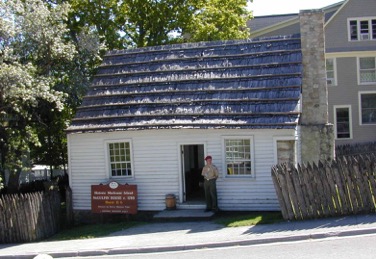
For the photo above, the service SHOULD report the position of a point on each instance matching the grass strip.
(92, 230)
(249, 219)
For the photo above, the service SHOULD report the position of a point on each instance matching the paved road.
(351, 247)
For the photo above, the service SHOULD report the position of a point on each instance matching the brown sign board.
(114, 198)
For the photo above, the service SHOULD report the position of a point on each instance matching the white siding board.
(156, 166)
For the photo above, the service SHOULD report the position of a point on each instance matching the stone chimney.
(317, 135)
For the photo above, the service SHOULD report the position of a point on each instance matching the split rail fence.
(341, 187)
(29, 217)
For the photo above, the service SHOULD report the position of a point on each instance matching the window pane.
(367, 63)
(330, 71)
(368, 108)
(238, 156)
(113, 168)
(373, 29)
(353, 30)
(120, 159)
(367, 77)
(329, 64)
(364, 27)
(343, 122)
(330, 74)
(367, 71)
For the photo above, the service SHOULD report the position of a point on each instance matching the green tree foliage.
(43, 75)
(96, 16)
(138, 23)
(219, 20)
(22, 86)
(148, 23)
(49, 50)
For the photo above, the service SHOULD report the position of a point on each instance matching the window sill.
(122, 177)
(235, 177)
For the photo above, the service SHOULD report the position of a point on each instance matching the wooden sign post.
(114, 198)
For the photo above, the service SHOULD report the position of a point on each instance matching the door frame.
(182, 184)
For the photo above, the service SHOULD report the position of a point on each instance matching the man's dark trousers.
(210, 187)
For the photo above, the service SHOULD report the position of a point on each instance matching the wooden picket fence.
(341, 187)
(29, 217)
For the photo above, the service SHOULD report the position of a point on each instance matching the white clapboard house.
(152, 114)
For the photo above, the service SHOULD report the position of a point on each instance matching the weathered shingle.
(227, 84)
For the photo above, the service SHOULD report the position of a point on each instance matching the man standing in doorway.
(210, 174)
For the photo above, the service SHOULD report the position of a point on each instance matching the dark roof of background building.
(263, 22)
(242, 84)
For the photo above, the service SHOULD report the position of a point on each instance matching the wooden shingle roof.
(227, 84)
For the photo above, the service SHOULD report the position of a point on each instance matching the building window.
(285, 151)
(367, 108)
(120, 159)
(238, 156)
(331, 71)
(367, 70)
(362, 29)
(342, 118)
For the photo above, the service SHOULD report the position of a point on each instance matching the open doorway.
(192, 164)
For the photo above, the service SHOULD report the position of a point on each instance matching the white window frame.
(358, 70)
(284, 138)
(335, 107)
(108, 159)
(360, 107)
(334, 83)
(361, 36)
(252, 159)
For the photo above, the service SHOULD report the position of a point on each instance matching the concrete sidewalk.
(173, 236)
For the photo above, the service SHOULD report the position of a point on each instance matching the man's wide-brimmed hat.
(208, 157)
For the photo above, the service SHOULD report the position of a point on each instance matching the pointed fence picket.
(29, 217)
(340, 187)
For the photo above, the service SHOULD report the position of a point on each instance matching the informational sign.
(114, 198)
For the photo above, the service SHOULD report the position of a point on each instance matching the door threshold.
(191, 206)
(184, 214)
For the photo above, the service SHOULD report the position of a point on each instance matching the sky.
(269, 7)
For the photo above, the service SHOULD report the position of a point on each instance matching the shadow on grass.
(226, 219)
(88, 231)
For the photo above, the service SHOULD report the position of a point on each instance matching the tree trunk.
(13, 183)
